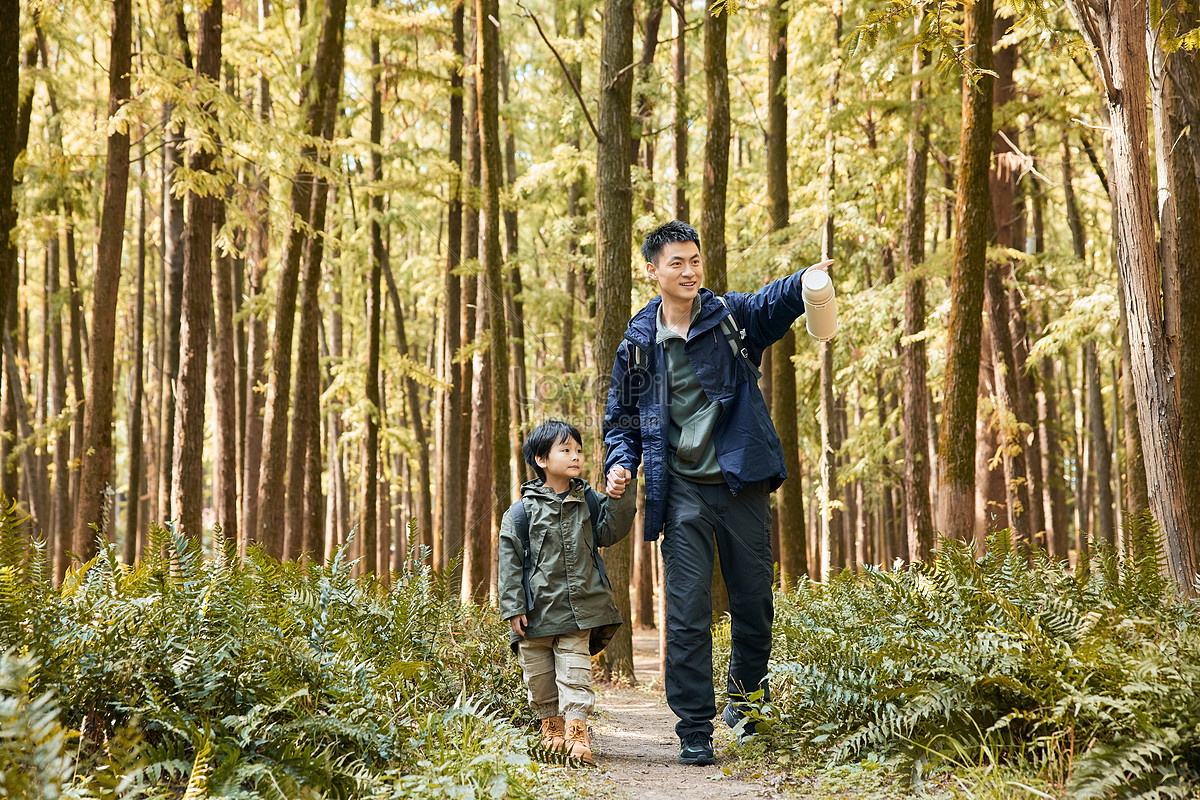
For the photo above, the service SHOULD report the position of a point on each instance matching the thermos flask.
(820, 306)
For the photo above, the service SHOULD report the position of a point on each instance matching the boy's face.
(564, 461)
(678, 273)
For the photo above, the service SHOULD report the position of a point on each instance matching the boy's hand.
(618, 479)
(519, 624)
(823, 266)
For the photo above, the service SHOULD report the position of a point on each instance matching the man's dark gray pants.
(699, 516)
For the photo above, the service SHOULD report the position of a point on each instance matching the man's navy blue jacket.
(637, 416)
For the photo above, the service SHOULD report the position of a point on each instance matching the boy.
(684, 399)
(559, 605)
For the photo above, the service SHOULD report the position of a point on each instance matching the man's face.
(678, 273)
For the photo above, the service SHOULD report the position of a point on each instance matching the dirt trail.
(634, 736)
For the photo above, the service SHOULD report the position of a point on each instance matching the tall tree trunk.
(1105, 527)
(270, 487)
(832, 554)
(136, 467)
(1116, 32)
(97, 436)
(515, 320)
(371, 463)
(956, 450)
(793, 549)
(1175, 89)
(488, 87)
(1007, 216)
(680, 123)
(477, 537)
(187, 471)
(306, 405)
(224, 339)
(1054, 467)
(10, 49)
(256, 346)
(58, 405)
(451, 497)
(716, 152)
(614, 235)
(424, 501)
(452, 548)
(918, 514)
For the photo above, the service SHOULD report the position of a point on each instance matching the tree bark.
(1115, 30)
(451, 497)
(832, 552)
(680, 124)
(187, 470)
(716, 153)
(224, 339)
(371, 464)
(10, 49)
(488, 87)
(918, 513)
(477, 537)
(97, 425)
(793, 548)
(614, 235)
(515, 318)
(259, 252)
(956, 450)
(136, 467)
(270, 530)
(1105, 526)
(415, 416)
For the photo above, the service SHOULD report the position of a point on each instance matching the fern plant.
(192, 676)
(1008, 661)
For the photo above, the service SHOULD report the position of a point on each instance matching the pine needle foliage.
(1088, 677)
(183, 676)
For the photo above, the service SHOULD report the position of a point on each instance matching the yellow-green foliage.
(1088, 677)
(190, 677)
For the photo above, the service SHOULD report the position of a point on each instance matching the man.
(684, 399)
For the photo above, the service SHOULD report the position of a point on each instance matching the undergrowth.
(1086, 680)
(189, 677)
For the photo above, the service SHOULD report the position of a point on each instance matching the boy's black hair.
(545, 436)
(660, 237)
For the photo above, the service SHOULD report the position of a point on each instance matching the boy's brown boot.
(578, 744)
(553, 733)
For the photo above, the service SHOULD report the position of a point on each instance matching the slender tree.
(10, 49)
(270, 484)
(187, 481)
(956, 448)
(790, 509)
(97, 435)
(716, 151)
(680, 123)
(614, 242)
(371, 389)
(918, 513)
(1116, 33)
(833, 555)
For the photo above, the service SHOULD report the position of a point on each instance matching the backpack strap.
(593, 502)
(736, 337)
(520, 518)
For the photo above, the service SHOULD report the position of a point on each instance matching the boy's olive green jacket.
(568, 593)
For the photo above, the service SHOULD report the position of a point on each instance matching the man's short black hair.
(660, 237)
(545, 436)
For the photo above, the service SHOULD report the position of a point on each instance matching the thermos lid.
(817, 284)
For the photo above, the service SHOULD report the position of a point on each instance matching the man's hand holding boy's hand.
(519, 624)
(618, 479)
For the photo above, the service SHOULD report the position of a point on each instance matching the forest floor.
(633, 736)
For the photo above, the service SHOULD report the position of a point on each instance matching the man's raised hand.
(618, 478)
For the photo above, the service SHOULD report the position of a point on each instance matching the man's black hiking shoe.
(733, 718)
(696, 748)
